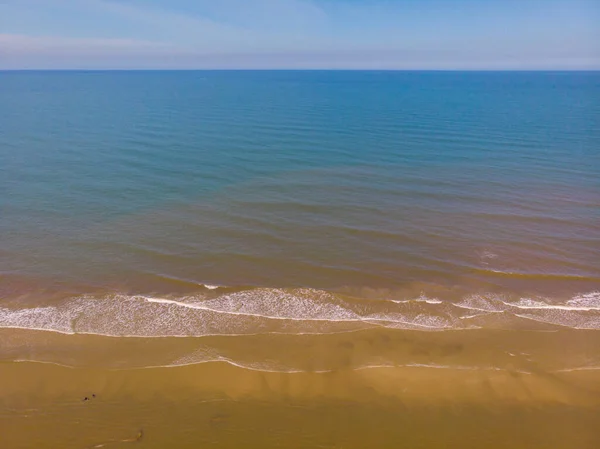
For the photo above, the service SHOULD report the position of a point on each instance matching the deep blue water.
(136, 180)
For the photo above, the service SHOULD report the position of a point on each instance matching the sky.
(300, 34)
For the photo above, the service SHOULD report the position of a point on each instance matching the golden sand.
(223, 406)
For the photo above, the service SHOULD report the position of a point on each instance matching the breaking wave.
(293, 311)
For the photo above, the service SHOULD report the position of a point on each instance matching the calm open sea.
(300, 238)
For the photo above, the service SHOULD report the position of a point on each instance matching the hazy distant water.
(448, 187)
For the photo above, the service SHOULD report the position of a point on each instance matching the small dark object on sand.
(137, 439)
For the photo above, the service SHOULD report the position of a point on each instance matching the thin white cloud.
(263, 34)
(286, 15)
(175, 27)
(15, 44)
(18, 51)
(48, 52)
(227, 25)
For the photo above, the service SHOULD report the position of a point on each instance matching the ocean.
(270, 228)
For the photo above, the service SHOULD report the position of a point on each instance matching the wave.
(421, 298)
(263, 368)
(218, 311)
(535, 276)
(581, 368)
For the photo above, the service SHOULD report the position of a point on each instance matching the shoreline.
(50, 383)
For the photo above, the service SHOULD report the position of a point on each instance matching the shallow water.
(318, 252)
(163, 180)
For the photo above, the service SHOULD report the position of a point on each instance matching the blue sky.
(319, 34)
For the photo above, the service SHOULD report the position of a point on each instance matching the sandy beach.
(439, 392)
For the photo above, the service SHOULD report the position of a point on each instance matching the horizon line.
(557, 70)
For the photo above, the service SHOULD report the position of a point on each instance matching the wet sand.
(493, 389)
(219, 405)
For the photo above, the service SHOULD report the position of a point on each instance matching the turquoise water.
(398, 183)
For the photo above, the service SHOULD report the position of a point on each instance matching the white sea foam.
(475, 315)
(481, 303)
(590, 301)
(290, 311)
(587, 302)
(486, 256)
(417, 321)
(581, 368)
(421, 298)
(570, 321)
(236, 314)
(266, 368)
